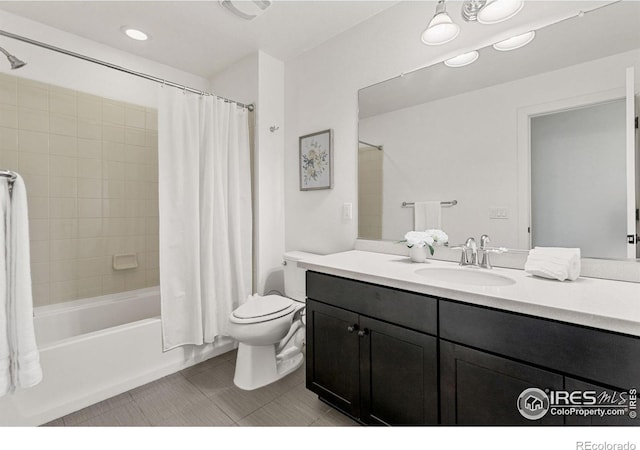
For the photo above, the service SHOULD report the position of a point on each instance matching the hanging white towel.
(554, 263)
(24, 359)
(427, 216)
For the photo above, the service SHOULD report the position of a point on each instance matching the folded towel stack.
(554, 262)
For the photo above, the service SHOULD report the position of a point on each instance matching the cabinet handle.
(363, 333)
(352, 328)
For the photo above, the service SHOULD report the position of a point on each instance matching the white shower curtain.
(205, 215)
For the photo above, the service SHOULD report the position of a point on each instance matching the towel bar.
(448, 203)
(12, 177)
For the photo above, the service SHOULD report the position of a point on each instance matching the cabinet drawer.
(597, 355)
(415, 311)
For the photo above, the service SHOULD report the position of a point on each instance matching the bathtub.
(93, 349)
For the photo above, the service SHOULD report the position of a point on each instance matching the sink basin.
(465, 275)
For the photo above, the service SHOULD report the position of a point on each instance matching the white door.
(578, 185)
(631, 165)
(637, 180)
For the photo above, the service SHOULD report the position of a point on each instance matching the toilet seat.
(263, 309)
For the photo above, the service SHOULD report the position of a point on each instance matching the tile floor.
(204, 395)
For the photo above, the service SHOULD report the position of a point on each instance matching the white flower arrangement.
(428, 238)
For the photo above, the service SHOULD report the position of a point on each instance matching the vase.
(418, 254)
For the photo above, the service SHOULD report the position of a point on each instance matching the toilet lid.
(262, 307)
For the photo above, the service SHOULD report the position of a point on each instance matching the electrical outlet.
(347, 211)
(500, 212)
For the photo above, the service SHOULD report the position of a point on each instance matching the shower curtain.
(205, 215)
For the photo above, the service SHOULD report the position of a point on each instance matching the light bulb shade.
(515, 42)
(495, 11)
(462, 60)
(441, 30)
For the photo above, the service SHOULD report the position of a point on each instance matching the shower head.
(15, 62)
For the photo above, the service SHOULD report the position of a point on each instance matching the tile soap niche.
(125, 261)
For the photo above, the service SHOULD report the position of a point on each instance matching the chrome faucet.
(484, 250)
(470, 244)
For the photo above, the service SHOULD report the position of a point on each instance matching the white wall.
(259, 79)
(321, 92)
(270, 173)
(465, 148)
(72, 73)
(239, 81)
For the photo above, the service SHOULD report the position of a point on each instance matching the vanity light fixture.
(515, 42)
(495, 11)
(441, 28)
(245, 9)
(134, 33)
(462, 60)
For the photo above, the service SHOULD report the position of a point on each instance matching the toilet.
(270, 330)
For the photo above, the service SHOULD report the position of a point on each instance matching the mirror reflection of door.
(578, 191)
(369, 192)
(637, 153)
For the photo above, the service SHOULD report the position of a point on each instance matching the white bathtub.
(93, 349)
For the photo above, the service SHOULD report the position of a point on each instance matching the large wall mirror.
(533, 145)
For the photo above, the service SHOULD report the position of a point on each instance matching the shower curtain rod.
(164, 82)
(379, 147)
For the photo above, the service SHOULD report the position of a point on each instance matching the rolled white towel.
(547, 270)
(571, 254)
(554, 262)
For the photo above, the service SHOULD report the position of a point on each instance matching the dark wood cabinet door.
(478, 388)
(572, 385)
(398, 375)
(333, 356)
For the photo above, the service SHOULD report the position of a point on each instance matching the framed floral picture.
(316, 161)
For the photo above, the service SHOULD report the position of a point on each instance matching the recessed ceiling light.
(462, 60)
(515, 42)
(135, 34)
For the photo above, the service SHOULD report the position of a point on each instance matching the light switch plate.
(498, 212)
(347, 211)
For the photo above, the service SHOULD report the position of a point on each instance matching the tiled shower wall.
(90, 166)
(369, 193)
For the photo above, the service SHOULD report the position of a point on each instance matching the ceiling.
(201, 37)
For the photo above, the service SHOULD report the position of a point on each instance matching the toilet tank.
(294, 276)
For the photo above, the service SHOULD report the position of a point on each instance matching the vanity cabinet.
(512, 352)
(378, 372)
(392, 357)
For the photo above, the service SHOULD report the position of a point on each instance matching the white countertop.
(604, 304)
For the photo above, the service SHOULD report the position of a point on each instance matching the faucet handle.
(496, 250)
(484, 240)
(464, 259)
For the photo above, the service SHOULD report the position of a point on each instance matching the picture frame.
(316, 161)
